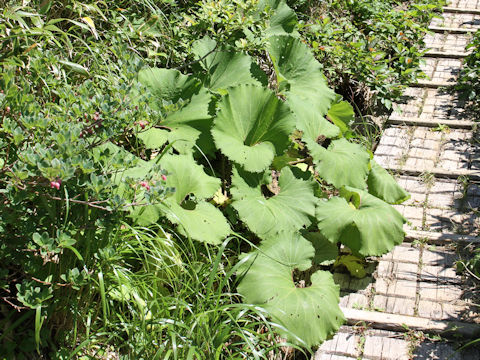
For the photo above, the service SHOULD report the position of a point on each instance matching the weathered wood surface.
(395, 322)
(429, 144)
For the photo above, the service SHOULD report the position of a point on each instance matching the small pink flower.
(55, 184)
(142, 124)
(145, 185)
(164, 178)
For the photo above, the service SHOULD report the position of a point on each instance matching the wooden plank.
(432, 84)
(440, 173)
(440, 29)
(448, 9)
(439, 238)
(454, 124)
(384, 321)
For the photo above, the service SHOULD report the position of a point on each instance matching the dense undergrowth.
(177, 177)
(468, 83)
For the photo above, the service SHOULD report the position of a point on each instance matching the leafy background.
(160, 160)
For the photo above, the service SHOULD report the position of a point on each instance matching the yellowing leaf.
(88, 20)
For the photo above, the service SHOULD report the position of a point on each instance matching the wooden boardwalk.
(413, 304)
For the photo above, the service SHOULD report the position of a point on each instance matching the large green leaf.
(187, 177)
(366, 224)
(325, 251)
(289, 210)
(384, 186)
(225, 68)
(342, 163)
(201, 221)
(252, 126)
(299, 74)
(311, 124)
(311, 313)
(283, 19)
(187, 119)
(300, 78)
(195, 218)
(341, 113)
(170, 85)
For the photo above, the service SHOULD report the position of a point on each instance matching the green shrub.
(369, 50)
(468, 83)
(162, 162)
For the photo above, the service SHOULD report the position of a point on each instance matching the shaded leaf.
(185, 104)
(325, 251)
(353, 264)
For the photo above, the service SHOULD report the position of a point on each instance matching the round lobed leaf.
(371, 227)
(310, 313)
(289, 210)
(384, 186)
(342, 163)
(252, 126)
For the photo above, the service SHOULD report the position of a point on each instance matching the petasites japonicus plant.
(221, 130)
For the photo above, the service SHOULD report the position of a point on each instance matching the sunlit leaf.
(252, 126)
(372, 228)
(289, 210)
(311, 313)
(384, 186)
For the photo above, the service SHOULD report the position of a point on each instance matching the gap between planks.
(433, 84)
(451, 9)
(454, 124)
(440, 29)
(446, 54)
(438, 238)
(438, 173)
(403, 323)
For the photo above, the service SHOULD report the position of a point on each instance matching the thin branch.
(307, 160)
(88, 203)
(197, 61)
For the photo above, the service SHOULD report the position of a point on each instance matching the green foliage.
(366, 224)
(290, 209)
(353, 264)
(269, 281)
(252, 126)
(383, 186)
(135, 139)
(342, 163)
(369, 50)
(468, 81)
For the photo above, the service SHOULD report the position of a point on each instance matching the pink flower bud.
(55, 184)
(145, 185)
(142, 124)
(164, 178)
